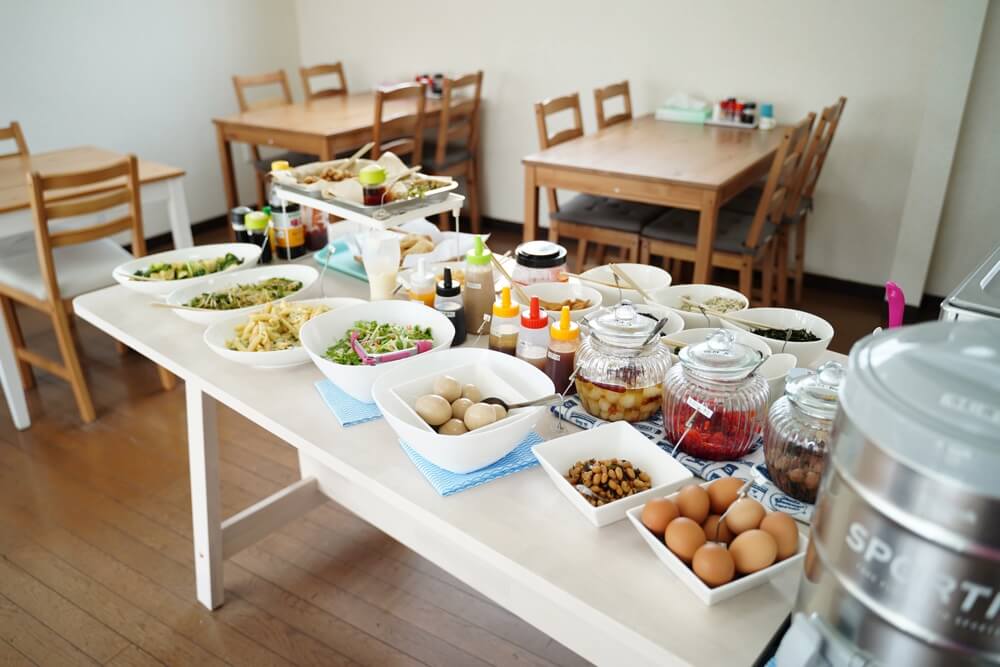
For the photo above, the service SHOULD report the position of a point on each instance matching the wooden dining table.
(322, 127)
(681, 165)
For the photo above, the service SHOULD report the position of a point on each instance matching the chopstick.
(522, 297)
(590, 280)
(618, 271)
(160, 304)
(750, 324)
(361, 151)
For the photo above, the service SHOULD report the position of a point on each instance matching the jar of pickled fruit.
(714, 402)
(619, 370)
(796, 440)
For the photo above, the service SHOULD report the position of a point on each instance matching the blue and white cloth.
(446, 483)
(750, 466)
(348, 410)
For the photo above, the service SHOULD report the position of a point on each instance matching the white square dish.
(615, 440)
(705, 593)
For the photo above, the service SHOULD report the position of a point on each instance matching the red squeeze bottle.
(533, 338)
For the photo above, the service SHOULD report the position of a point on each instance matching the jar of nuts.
(798, 430)
(619, 369)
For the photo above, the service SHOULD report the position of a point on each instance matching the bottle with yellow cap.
(560, 361)
(504, 324)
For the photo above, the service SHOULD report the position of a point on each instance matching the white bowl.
(775, 370)
(123, 273)
(614, 440)
(649, 278)
(307, 275)
(675, 322)
(692, 336)
(397, 390)
(705, 593)
(217, 335)
(559, 292)
(671, 297)
(320, 333)
(788, 318)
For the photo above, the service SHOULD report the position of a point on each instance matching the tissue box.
(683, 115)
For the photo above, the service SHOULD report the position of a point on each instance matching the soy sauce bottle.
(448, 302)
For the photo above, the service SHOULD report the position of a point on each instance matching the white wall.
(798, 55)
(143, 77)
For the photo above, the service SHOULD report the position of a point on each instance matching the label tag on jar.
(554, 356)
(705, 411)
(473, 286)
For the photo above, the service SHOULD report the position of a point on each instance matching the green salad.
(241, 296)
(189, 269)
(375, 338)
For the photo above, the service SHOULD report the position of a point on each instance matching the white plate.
(789, 318)
(559, 292)
(706, 594)
(217, 335)
(615, 440)
(307, 275)
(398, 389)
(671, 297)
(123, 273)
(320, 333)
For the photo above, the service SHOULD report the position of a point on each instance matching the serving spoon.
(495, 400)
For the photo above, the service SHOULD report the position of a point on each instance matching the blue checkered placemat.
(348, 410)
(750, 466)
(446, 483)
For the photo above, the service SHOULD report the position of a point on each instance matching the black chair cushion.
(294, 159)
(607, 213)
(453, 154)
(679, 226)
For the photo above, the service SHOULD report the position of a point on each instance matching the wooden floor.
(96, 555)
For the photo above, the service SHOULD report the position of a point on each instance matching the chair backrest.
(402, 134)
(601, 95)
(275, 78)
(543, 110)
(115, 185)
(780, 178)
(13, 133)
(323, 70)
(459, 119)
(815, 156)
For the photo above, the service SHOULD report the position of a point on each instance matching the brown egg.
(753, 551)
(658, 513)
(716, 533)
(683, 536)
(784, 531)
(722, 493)
(448, 388)
(713, 564)
(745, 514)
(693, 503)
(459, 406)
(433, 409)
(452, 427)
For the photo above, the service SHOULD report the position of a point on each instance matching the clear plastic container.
(799, 426)
(539, 262)
(619, 375)
(480, 291)
(533, 336)
(504, 324)
(422, 284)
(714, 401)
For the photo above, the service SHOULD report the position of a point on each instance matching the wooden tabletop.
(13, 173)
(326, 117)
(685, 153)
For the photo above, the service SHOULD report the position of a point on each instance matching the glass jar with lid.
(619, 370)
(539, 262)
(714, 401)
(799, 424)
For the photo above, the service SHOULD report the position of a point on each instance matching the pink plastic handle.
(897, 303)
(373, 359)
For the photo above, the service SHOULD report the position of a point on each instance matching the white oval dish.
(789, 318)
(123, 273)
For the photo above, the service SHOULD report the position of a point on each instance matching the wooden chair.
(323, 70)
(401, 134)
(587, 218)
(602, 95)
(743, 241)
(13, 133)
(261, 165)
(69, 262)
(455, 151)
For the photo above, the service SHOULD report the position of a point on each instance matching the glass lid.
(719, 356)
(817, 392)
(621, 325)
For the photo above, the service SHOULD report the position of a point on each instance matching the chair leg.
(17, 340)
(443, 223)
(600, 249)
(767, 275)
(60, 322)
(472, 190)
(261, 191)
(581, 255)
(800, 258)
(746, 278)
(167, 379)
(781, 266)
(121, 348)
(644, 252)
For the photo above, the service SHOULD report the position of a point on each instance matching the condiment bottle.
(237, 218)
(316, 236)
(372, 179)
(448, 302)
(256, 226)
(287, 232)
(479, 289)
(533, 336)
(561, 356)
(422, 284)
(504, 324)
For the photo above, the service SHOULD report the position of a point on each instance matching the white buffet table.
(601, 592)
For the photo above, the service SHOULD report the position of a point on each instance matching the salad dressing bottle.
(448, 302)
(422, 284)
(503, 324)
(533, 337)
(479, 288)
(561, 357)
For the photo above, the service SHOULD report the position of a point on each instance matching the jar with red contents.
(714, 402)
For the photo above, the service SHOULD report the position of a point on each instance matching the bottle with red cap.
(533, 337)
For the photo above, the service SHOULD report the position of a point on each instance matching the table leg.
(10, 378)
(226, 161)
(180, 223)
(706, 238)
(326, 152)
(530, 203)
(203, 459)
